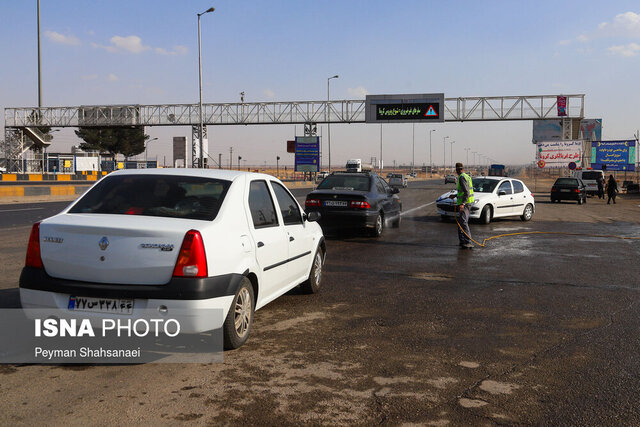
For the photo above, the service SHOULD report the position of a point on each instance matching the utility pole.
(219, 160)
(430, 157)
(467, 150)
(380, 147)
(451, 142)
(239, 158)
(39, 67)
(413, 147)
(230, 158)
(444, 154)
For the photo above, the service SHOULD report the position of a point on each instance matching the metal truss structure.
(497, 108)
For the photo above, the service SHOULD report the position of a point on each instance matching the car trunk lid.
(118, 249)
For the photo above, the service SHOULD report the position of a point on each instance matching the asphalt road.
(536, 329)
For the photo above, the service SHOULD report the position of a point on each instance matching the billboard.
(307, 153)
(179, 151)
(558, 154)
(591, 129)
(615, 155)
(404, 108)
(547, 130)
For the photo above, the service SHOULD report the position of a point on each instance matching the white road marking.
(23, 209)
(415, 209)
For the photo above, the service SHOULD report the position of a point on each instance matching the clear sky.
(145, 52)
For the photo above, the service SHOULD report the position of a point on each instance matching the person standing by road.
(463, 205)
(612, 189)
(600, 181)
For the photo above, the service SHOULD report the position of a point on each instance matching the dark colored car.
(569, 189)
(358, 200)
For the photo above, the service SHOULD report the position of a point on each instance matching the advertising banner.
(558, 154)
(562, 106)
(547, 130)
(307, 153)
(614, 155)
(591, 129)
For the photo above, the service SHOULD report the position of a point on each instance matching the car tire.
(527, 214)
(585, 199)
(485, 216)
(237, 325)
(580, 201)
(312, 284)
(396, 222)
(378, 226)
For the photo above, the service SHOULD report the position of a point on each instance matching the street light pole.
(39, 66)
(380, 164)
(329, 119)
(430, 157)
(201, 165)
(467, 150)
(413, 147)
(444, 154)
(451, 142)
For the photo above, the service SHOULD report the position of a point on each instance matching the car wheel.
(580, 201)
(237, 325)
(312, 284)
(527, 213)
(585, 199)
(485, 216)
(378, 227)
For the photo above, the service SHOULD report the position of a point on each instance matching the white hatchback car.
(495, 197)
(176, 239)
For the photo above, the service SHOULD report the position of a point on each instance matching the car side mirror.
(502, 193)
(395, 190)
(312, 216)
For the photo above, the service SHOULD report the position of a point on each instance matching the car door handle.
(260, 244)
(291, 238)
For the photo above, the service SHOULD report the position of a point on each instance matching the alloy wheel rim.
(379, 224)
(528, 212)
(318, 269)
(242, 316)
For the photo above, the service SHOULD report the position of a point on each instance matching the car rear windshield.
(566, 181)
(591, 175)
(484, 185)
(170, 196)
(345, 182)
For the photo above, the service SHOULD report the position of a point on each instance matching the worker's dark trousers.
(463, 219)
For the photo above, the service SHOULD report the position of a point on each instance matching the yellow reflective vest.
(461, 193)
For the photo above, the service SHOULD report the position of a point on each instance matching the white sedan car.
(495, 197)
(175, 240)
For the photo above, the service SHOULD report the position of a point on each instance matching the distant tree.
(127, 140)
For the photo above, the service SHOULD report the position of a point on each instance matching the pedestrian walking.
(600, 181)
(464, 198)
(612, 189)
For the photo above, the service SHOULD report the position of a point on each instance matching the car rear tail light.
(192, 260)
(312, 202)
(554, 189)
(360, 205)
(576, 190)
(33, 250)
(532, 194)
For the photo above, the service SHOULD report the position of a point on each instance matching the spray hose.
(484, 242)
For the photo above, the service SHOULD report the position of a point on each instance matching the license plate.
(565, 190)
(335, 203)
(101, 305)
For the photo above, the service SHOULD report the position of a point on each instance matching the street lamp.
(413, 146)
(329, 120)
(467, 150)
(451, 142)
(146, 146)
(277, 166)
(239, 158)
(430, 158)
(444, 154)
(211, 9)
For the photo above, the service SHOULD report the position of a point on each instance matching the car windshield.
(155, 195)
(591, 175)
(481, 185)
(345, 182)
(566, 181)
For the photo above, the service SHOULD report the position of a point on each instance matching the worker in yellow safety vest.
(464, 199)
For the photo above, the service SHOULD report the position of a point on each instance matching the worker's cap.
(459, 166)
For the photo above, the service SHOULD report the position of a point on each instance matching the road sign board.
(307, 153)
(404, 108)
(572, 165)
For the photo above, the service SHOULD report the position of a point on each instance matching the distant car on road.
(177, 240)
(495, 197)
(450, 179)
(398, 180)
(569, 189)
(413, 174)
(361, 200)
